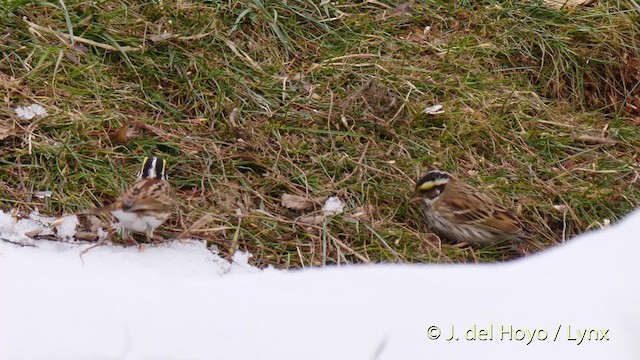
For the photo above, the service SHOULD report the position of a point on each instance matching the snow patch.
(31, 111)
(333, 206)
(67, 228)
(183, 301)
(434, 109)
(43, 194)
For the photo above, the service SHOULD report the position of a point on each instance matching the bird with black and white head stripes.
(462, 213)
(146, 204)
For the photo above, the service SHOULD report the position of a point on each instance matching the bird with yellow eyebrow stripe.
(462, 213)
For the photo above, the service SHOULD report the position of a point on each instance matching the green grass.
(249, 100)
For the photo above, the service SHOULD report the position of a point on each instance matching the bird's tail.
(527, 236)
(96, 211)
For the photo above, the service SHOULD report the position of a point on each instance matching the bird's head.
(153, 168)
(430, 186)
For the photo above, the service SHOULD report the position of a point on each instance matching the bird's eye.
(434, 192)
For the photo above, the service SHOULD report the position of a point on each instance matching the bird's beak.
(415, 197)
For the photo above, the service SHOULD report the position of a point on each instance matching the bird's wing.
(147, 194)
(479, 209)
(503, 221)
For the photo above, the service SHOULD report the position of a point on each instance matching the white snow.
(180, 301)
(31, 111)
(14, 229)
(434, 109)
(333, 206)
(67, 229)
(43, 194)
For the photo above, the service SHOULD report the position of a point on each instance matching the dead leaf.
(72, 57)
(311, 219)
(9, 81)
(95, 223)
(58, 221)
(402, 9)
(595, 140)
(5, 133)
(568, 4)
(122, 135)
(202, 222)
(80, 48)
(33, 233)
(86, 236)
(299, 202)
(162, 37)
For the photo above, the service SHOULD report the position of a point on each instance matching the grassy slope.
(328, 100)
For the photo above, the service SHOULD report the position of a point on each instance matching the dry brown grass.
(249, 101)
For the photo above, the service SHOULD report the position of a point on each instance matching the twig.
(386, 245)
(196, 37)
(199, 225)
(79, 39)
(99, 243)
(350, 250)
(564, 225)
(17, 243)
(592, 171)
(242, 55)
(234, 241)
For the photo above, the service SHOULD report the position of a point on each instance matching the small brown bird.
(462, 213)
(145, 205)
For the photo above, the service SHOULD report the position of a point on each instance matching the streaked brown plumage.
(145, 205)
(462, 213)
